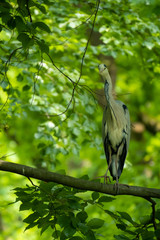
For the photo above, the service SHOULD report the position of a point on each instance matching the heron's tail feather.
(113, 168)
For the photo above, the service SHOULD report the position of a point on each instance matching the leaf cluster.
(65, 211)
(61, 209)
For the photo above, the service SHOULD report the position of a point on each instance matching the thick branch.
(78, 183)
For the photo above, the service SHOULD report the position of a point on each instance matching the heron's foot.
(105, 178)
(116, 187)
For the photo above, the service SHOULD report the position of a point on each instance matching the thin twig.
(75, 84)
(90, 35)
(60, 69)
(36, 78)
(32, 182)
(5, 76)
(153, 204)
(29, 13)
(84, 54)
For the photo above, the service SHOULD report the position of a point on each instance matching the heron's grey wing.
(128, 124)
(125, 142)
(104, 125)
(105, 134)
(122, 157)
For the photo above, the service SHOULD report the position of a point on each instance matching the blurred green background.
(34, 93)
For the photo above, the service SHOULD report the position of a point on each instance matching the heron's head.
(102, 69)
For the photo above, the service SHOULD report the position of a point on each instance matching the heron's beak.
(101, 68)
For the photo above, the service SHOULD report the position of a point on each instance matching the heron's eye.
(105, 66)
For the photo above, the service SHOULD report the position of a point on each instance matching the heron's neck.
(111, 103)
(108, 89)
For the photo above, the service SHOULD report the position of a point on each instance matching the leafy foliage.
(60, 208)
(66, 213)
(50, 117)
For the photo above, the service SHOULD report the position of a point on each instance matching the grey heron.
(115, 129)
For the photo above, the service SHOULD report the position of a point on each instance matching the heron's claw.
(106, 179)
(116, 187)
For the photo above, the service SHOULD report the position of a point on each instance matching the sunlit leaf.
(95, 223)
(42, 26)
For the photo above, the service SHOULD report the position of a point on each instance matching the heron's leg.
(110, 161)
(105, 175)
(117, 184)
(116, 165)
(117, 181)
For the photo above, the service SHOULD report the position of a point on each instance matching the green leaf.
(4, 84)
(121, 237)
(69, 231)
(63, 236)
(95, 195)
(90, 235)
(20, 25)
(45, 226)
(31, 225)
(147, 235)
(83, 228)
(42, 26)
(127, 217)
(95, 223)
(25, 206)
(5, 7)
(121, 226)
(63, 221)
(41, 145)
(85, 177)
(158, 214)
(113, 215)
(20, 78)
(76, 238)
(157, 233)
(26, 88)
(56, 234)
(25, 40)
(5, 16)
(149, 45)
(74, 204)
(11, 23)
(145, 219)
(43, 46)
(40, 7)
(82, 216)
(105, 199)
(31, 218)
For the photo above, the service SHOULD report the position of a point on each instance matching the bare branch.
(90, 35)
(60, 70)
(82, 184)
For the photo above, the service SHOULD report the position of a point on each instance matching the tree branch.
(82, 184)
(153, 204)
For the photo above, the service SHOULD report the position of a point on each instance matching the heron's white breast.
(115, 136)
